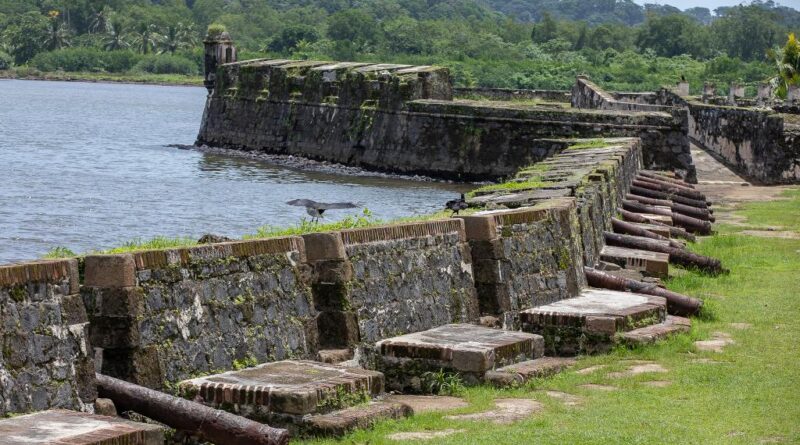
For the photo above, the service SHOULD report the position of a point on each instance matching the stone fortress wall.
(159, 317)
(404, 119)
(755, 137)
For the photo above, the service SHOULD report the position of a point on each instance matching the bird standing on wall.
(456, 205)
(316, 209)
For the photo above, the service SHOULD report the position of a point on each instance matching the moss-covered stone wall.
(531, 250)
(47, 359)
(167, 315)
(403, 119)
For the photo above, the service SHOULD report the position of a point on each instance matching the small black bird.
(316, 209)
(456, 205)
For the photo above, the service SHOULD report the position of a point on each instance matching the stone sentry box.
(162, 316)
(525, 257)
(47, 361)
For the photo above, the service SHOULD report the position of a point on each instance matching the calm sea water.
(86, 166)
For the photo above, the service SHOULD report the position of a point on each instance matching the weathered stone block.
(110, 271)
(459, 348)
(324, 246)
(589, 323)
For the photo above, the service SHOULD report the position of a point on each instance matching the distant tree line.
(506, 43)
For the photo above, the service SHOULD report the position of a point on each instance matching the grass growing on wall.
(746, 394)
(594, 143)
(533, 182)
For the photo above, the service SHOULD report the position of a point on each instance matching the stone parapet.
(161, 316)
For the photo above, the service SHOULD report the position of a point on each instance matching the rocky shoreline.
(305, 164)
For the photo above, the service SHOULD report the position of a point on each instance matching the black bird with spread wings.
(316, 209)
(457, 205)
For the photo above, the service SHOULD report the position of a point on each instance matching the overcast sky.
(711, 4)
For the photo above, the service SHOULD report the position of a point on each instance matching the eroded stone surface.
(638, 369)
(424, 404)
(462, 347)
(590, 322)
(717, 342)
(590, 369)
(340, 422)
(506, 411)
(57, 427)
(423, 435)
(289, 386)
(566, 398)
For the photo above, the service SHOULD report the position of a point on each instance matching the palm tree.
(100, 20)
(145, 38)
(116, 35)
(787, 65)
(57, 32)
(177, 37)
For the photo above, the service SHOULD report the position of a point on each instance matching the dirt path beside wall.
(728, 190)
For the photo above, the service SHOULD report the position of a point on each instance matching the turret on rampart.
(219, 49)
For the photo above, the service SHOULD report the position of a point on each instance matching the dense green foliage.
(502, 43)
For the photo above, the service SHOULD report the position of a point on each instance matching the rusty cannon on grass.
(219, 427)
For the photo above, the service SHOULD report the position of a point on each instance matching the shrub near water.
(85, 59)
(5, 61)
(166, 64)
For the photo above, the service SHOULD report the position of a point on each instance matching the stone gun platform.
(653, 264)
(62, 427)
(595, 321)
(305, 397)
(465, 349)
(289, 386)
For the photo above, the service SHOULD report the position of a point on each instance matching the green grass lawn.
(747, 394)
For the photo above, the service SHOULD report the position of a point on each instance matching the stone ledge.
(524, 371)
(62, 427)
(39, 271)
(149, 259)
(404, 231)
(339, 423)
(651, 334)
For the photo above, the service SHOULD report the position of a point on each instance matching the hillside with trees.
(500, 43)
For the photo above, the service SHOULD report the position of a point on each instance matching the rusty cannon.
(687, 222)
(674, 232)
(693, 212)
(219, 427)
(681, 257)
(677, 304)
(627, 228)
